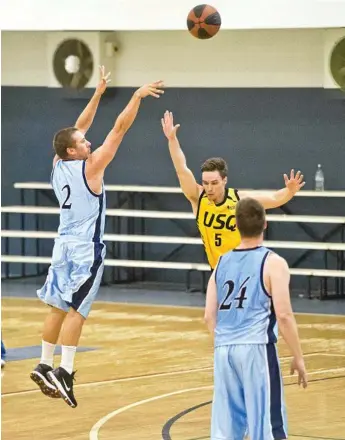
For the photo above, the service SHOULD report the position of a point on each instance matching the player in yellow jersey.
(213, 203)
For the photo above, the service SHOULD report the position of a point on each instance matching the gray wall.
(262, 133)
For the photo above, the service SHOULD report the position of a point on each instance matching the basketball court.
(146, 372)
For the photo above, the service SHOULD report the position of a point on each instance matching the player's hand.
(153, 89)
(103, 82)
(298, 365)
(294, 183)
(168, 125)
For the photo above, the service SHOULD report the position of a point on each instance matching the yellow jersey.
(217, 225)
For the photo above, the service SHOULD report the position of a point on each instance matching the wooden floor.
(151, 377)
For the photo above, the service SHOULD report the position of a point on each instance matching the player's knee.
(76, 315)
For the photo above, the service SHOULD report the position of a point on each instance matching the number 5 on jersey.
(218, 239)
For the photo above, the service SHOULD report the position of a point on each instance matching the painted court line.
(97, 426)
(172, 306)
(331, 370)
(169, 373)
(332, 354)
(125, 379)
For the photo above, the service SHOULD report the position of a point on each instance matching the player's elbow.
(208, 317)
(210, 322)
(271, 203)
(119, 130)
(284, 316)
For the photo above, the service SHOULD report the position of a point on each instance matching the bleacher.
(324, 245)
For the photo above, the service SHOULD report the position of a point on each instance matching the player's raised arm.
(279, 279)
(186, 178)
(86, 118)
(99, 160)
(280, 197)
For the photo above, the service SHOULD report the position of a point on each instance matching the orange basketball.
(204, 22)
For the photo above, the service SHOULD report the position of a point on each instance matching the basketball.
(203, 22)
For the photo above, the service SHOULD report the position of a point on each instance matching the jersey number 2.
(65, 204)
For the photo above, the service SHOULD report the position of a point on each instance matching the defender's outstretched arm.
(186, 178)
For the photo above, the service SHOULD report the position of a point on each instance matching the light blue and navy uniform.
(77, 264)
(248, 388)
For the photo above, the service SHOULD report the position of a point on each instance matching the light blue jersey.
(245, 312)
(82, 212)
(248, 388)
(77, 263)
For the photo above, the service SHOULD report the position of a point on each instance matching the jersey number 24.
(226, 304)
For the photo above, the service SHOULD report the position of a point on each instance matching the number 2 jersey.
(245, 312)
(217, 225)
(82, 212)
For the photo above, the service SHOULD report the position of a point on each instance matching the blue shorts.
(74, 276)
(3, 350)
(248, 391)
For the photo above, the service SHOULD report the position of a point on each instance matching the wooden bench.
(170, 189)
(39, 210)
(22, 209)
(132, 238)
(135, 197)
(189, 267)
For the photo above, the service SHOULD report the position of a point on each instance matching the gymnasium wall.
(256, 99)
(252, 58)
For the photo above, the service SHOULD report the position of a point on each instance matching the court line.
(124, 379)
(286, 358)
(201, 438)
(317, 438)
(312, 373)
(167, 426)
(131, 378)
(332, 354)
(290, 435)
(97, 426)
(154, 375)
(168, 306)
(135, 304)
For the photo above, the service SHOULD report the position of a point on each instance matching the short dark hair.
(215, 164)
(250, 217)
(63, 139)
